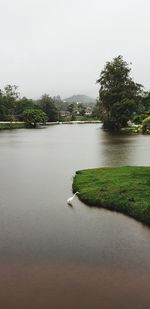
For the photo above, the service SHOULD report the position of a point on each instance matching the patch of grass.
(132, 130)
(85, 118)
(11, 125)
(123, 189)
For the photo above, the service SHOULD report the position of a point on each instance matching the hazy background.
(60, 46)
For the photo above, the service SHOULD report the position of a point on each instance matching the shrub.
(146, 125)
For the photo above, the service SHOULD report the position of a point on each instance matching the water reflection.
(120, 149)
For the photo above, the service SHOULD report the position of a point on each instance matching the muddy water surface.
(54, 256)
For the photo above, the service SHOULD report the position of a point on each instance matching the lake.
(56, 256)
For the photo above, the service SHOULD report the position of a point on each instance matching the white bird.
(70, 199)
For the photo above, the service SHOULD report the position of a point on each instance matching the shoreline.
(10, 125)
(123, 189)
(74, 122)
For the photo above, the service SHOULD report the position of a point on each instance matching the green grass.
(86, 118)
(11, 125)
(123, 189)
(79, 118)
(132, 130)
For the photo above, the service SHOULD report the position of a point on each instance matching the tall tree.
(48, 106)
(81, 109)
(119, 95)
(2, 106)
(22, 105)
(146, 101)
(10, 95)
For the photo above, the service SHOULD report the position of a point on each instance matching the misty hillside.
(80, 99)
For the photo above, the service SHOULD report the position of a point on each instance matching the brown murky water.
(53, 256)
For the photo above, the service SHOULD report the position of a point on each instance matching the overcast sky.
(59, 47)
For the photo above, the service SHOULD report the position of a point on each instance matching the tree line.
(14, 108)
(47, 108)
(121, 101)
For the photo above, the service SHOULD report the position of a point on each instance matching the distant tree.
(10, 95)
(71, 108)
(57, 98)
(119, 95)
(47, 104)
(22, 105)
(2, 107)
(95, 111)
(81, 109)
(146, 101)
(32, 117)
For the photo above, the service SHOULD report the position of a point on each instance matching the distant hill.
(80, 98)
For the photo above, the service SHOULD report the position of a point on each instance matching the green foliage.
(11, 125)
(32, 117)
(120, 100)
(146, 101)
(146, 125)
(123, 189)
(2, 108)
(48, 106)
(81, 109)
(119, 95)
(22, 105)
(8, 101)
(121, 112)
(138, 118)
(86, 118)
(71, 108)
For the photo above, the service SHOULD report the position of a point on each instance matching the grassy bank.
(11, 125)
(132, 130)
(123, 189)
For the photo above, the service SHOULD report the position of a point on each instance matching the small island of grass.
(123, 189)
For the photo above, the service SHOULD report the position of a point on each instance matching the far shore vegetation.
(13, 108)
(122, 105)
(122, 189)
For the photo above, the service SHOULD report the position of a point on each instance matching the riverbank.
(11, 125)
(74, 122)
(7, 125)
(122, 189)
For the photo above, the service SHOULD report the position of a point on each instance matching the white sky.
(59, 47)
